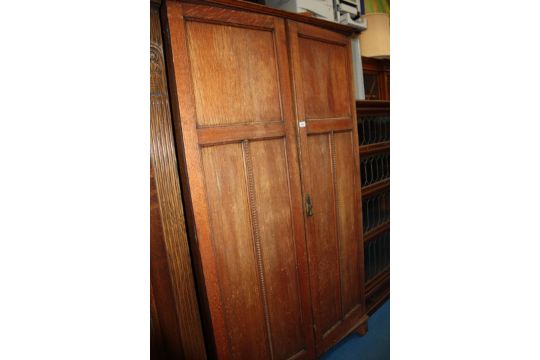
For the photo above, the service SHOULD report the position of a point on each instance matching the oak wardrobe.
(265, 126)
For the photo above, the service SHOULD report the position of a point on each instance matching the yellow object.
(375, 40)
(377, 6)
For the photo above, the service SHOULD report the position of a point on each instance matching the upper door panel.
(223, 74)
(325, 79)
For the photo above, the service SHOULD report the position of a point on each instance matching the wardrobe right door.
(328, 138)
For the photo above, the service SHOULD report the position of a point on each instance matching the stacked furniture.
(266, 134)
(374, 136)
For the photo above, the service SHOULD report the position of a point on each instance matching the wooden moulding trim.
(298, 355)
(377, 280)
(372, 112)
(349, 315)
(327, 125)
(238, 133)
(329, 342)
(378, 291)
(375, 187)
(379, 300)
(262, 9)
(254, 218)
(232, 18)
(319, 34)
(376, 231)
(372, 148)
(163, 157)
(373, 107)
(372, 104)
(375, 64)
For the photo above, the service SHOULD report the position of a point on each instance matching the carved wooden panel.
(176, 313)
(165, 330)
(330, 166)
(235, 131)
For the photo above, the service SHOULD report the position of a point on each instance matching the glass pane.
(371, 85)
(373, 129)
(388, 85)
(377, 255)
(374, 168)
(375, 210)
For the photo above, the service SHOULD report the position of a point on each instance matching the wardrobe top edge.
(262, 9)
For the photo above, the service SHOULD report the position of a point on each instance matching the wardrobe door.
(236, 130)
(331, 178)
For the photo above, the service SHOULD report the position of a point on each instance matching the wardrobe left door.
(235, 132)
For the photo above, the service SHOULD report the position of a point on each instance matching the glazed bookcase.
(373, 116)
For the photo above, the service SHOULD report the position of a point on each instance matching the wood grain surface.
(171, 269)
(275, 283)
(235, 132)
(322, 73)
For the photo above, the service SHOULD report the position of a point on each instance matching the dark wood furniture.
(266, 134)
(176, 331)
(376, 78)
(374, 134)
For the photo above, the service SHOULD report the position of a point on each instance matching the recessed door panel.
(326, 94)
(234, 74)
(348, 241)
(274, 232)
(228, 204)
(323, 240)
